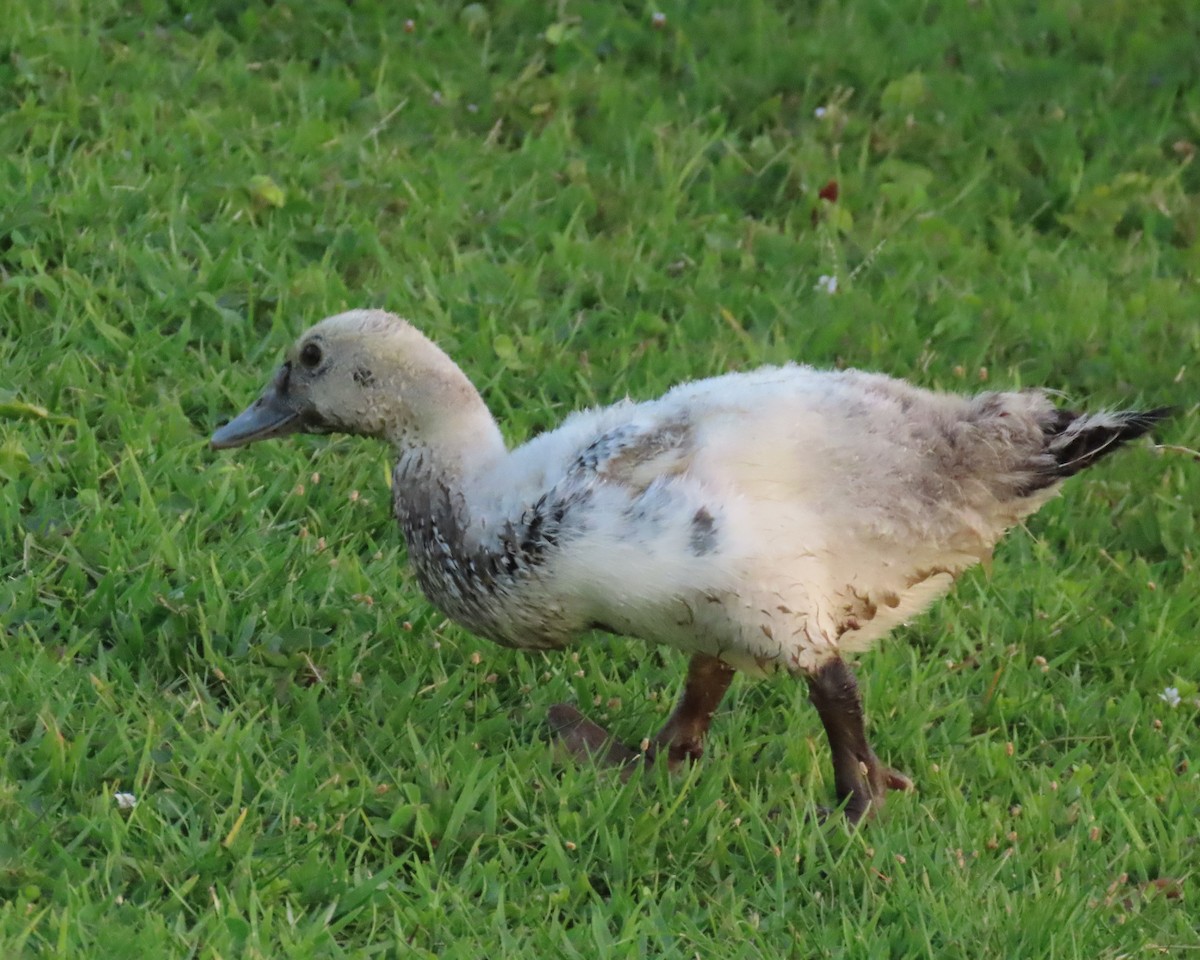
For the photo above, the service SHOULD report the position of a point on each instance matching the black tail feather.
(1076, 441)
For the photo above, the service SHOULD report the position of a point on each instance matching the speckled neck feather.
(474, 568)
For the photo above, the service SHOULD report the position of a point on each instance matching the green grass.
(578, 206)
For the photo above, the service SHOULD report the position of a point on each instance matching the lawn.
(579, 201)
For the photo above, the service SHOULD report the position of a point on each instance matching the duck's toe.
(895, 780)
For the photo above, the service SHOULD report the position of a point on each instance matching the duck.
(780, 519)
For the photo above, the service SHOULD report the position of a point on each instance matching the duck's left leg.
(682, 736)
(708, 679)
(860, 779)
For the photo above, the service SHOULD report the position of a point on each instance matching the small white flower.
(820, 112)
(826, 284)
(1170, 697)
(125, 801)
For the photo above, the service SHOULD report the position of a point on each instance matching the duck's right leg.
(860, 780)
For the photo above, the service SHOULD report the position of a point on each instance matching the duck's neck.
(471, 566)
(443, 458)
(441, 430)
(452, 459)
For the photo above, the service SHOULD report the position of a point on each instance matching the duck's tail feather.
(1075, 441)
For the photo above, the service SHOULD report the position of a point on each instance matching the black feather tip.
(1076, 441)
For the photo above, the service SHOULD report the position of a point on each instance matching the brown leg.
(682, 735)
(859, 778)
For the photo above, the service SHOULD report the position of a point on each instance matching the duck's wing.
(639, 452)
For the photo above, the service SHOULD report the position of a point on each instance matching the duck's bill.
(269, 416)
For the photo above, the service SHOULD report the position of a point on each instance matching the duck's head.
(370, 373)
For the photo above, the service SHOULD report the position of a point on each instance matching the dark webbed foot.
(680, 739)
(860, 780)
(587, 741)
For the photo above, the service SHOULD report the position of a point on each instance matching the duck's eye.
(310, 355)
